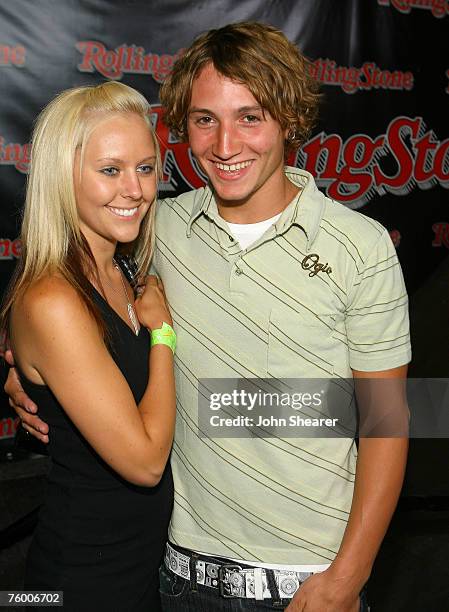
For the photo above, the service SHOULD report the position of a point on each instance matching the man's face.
(238, 145)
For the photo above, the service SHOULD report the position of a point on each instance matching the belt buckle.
(226, 589)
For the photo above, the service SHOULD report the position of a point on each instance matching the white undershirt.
(247, 233)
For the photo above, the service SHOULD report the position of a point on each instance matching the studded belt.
(232, 579)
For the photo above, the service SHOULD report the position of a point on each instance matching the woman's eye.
(110, 171)
(147, 169)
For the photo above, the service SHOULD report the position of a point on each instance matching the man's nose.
(228, 143)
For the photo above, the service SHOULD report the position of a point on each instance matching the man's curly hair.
(264, 60)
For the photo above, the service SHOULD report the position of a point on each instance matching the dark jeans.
(176, 596)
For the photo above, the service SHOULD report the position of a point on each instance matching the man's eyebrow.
(242, 109)
(205, 111)
(249, 109)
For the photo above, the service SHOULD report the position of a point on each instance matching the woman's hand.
(151, 304)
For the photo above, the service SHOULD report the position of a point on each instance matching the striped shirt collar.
(305, 210)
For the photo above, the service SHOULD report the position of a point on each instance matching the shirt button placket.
(236, 274)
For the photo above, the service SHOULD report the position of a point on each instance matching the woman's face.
(117, 182)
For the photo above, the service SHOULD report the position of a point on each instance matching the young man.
(240, 261)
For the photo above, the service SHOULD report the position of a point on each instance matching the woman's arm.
(57, 342)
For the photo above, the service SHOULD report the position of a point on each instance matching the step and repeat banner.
(381, 145)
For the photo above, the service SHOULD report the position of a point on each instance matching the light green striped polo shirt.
(264, 312)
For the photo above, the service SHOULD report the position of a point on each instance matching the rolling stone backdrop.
(381, 145)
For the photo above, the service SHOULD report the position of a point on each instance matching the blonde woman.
(83, 350)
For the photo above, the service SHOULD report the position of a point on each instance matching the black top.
(99, 539)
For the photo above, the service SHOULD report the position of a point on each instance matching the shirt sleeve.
(377, 320)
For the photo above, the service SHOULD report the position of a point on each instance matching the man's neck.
(259, 206)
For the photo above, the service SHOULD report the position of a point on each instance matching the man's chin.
(229, 197)
(230, 202)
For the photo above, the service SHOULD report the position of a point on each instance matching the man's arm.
(379, 477)
(24, 407)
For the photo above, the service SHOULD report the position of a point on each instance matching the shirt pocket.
(300, 344)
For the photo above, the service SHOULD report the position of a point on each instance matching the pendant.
(133, 319)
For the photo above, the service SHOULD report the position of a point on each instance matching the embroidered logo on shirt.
(312, 263)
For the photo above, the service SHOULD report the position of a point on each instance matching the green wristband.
(164, 335)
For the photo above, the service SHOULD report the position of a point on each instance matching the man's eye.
(147, 169)
(110, 171)
(251, 119)
(204, 120)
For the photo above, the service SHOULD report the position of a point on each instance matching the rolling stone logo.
(15, 154)
(124, 59)
(131, 59)
(12, 56)
(10, 249)
(354, 171)
(367, 77)
(438, 8)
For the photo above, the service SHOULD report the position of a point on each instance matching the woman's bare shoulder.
(51, 300)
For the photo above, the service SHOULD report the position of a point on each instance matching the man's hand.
(378, 481)
(24, 407)
(325, 592)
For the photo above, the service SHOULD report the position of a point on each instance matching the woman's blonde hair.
(51, 237)
(260, 57)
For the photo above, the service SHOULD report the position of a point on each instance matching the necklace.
(130, 308)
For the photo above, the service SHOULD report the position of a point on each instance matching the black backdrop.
(380, 147)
